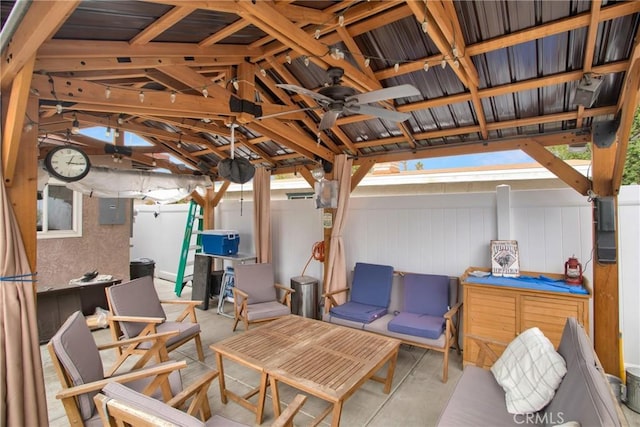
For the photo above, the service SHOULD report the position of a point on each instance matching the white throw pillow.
(529, 371)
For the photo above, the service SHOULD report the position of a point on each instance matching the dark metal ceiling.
(510, 70)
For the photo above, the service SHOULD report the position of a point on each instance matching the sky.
(467, 160)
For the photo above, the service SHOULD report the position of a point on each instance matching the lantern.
(573, 271)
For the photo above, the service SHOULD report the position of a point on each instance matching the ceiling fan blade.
(284, 113)
(302, 91)
(393, 116)
(328, 119)
(382, 94)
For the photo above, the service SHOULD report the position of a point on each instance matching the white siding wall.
(437, 233)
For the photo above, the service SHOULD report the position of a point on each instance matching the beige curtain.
(337, 269)
(262, 214)
(22, 395)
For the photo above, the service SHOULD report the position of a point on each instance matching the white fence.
(433, 233)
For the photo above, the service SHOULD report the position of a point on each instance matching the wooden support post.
(606, 326)
(23, 191)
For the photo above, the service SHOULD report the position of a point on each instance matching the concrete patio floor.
(416, 399)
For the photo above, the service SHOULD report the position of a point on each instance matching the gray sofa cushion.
(478, 400)
(584, 394)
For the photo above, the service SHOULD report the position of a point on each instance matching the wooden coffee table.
(327, 361)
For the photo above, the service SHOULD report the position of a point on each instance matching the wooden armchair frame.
(115, 412)
(151, 325)
(240, 306)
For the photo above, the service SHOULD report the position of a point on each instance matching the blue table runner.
(540, 283)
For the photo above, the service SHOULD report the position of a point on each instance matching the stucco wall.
(102, 247)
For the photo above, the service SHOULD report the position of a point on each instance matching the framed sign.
(505, 260)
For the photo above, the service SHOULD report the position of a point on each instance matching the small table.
(328, 361)
(56, 303)
(202, 278)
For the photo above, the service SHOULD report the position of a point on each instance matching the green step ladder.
(189, 249)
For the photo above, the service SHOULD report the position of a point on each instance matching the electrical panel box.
(605, 218)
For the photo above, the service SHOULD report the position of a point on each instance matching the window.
(59, 212)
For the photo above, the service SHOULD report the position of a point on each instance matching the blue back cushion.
(426, 294)
(372, 284)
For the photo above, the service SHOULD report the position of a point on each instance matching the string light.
(120, 119)
(116, 133)
(317, 34)
(107, 92)
(454, 51)
(367, 61)
(425, 67)
(288, 59)
(306, 61)
(456, 63)
(141, 96)
(172, 97)
(263, 72)
(443, 63)
(396, 67)
(425, 25)
(205, 92)
(341, 20)
(75, 126)
(107, 133)
(59, 108)
(235, 84)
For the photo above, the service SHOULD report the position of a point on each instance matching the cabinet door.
(490, 320)
(550, 315)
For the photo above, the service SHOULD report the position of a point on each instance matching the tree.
(631, 172)
(419, 166)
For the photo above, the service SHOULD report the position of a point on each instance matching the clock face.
(67, 163)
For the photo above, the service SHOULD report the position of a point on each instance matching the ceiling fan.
(337, 99)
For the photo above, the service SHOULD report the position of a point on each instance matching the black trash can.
(141, 267)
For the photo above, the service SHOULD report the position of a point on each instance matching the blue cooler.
(220, 242)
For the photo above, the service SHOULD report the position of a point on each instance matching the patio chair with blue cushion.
(119, 405)
(427, 313)
(370, 294)
(78, 364)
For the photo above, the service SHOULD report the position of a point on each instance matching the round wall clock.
(67, 163)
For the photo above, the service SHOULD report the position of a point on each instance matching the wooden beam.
(362, 171)
(14, 121)
(161, 24)
(606, 326)
(224, 33)
(42, 20)
(557, 166)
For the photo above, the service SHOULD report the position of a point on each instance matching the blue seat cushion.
(372, 284)
(420, 325)
(357, 312)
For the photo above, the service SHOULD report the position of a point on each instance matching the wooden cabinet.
(493, 315)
